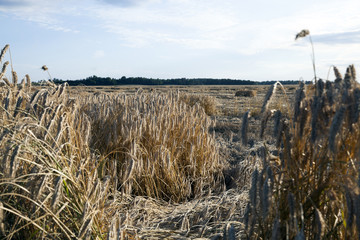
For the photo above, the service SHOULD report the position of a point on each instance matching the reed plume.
(303, 33)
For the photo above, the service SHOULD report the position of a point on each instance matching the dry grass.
(246, 93)
(310, 188)
(208, 103)
(149, 165)
(69, 165)
(155, 144)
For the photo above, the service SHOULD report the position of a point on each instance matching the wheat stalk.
(3, 51)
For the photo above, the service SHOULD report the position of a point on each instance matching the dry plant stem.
(313, 57)
(49, 75)
(303, 34)
(244, 128)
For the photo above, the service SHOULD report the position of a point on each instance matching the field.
(206, 162)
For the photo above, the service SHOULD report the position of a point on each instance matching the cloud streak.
(227, 26)
(46, 14)
(122, 3)
(349, 37)
(193, 24)
(13, 3)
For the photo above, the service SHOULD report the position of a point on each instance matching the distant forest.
(107, 81)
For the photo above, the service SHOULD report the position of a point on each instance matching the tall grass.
(155, 144)
(311, 190)
(67, 163)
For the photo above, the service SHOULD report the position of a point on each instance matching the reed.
(306, 33)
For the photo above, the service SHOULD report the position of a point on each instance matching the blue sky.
(179, 38)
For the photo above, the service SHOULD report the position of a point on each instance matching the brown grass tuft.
(245, 93)
(208, 103)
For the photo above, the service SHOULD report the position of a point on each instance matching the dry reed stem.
(268, 96)
(244, 128)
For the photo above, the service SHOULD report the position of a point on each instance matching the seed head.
(299, 96)
(335, 127)
(356, 109)
(253, 189)
(320, 85)
(277, 121)
(268, 96)
(321, 224)
(291, 203)
(353, 72)
(3, 70)
(265, 198)
(6, 81)
(329, 93)
(349, 197)
(3, 51)
(247, 215)
(244, 128)
(302, 34)
(2, 218)
(337, 74)
(57, 194)
(275, 229)
(15, 78)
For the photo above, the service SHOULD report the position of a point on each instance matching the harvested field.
(137, 162)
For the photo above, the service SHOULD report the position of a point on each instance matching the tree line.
(107, 81)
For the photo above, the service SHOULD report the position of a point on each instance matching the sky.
(237, 39)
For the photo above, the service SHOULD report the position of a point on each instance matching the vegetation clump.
(208, 103)
(246, 93)
(309, 189)
(68, 163)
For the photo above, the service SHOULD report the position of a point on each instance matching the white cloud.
(181, 23)
(99, 54)
(48, 14)
(246, 28)
(228, 26)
